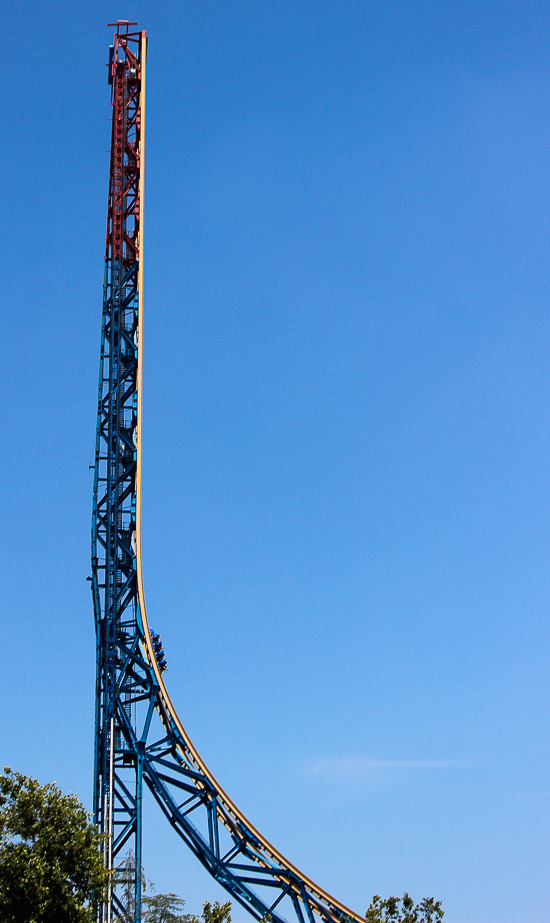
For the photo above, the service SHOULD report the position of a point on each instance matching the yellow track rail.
(167, 712)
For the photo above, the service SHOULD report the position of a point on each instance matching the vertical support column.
(139, 798)
(111, 811)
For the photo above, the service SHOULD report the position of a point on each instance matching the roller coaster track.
(133, 747)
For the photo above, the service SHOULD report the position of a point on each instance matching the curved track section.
(132, 747)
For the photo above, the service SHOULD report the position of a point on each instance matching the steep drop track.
(132, 747)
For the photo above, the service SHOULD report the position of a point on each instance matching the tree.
(389, 911)
(51, 862)
(164, 908)
(124, 880)
(216, 912)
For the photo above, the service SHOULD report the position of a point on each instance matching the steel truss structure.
(133, 747)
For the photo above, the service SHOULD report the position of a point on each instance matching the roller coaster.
(139, 738)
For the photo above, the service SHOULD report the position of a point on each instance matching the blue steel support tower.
(139, 738)
(123, 678)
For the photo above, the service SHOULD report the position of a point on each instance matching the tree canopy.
(404, 910)
(165, 908)
(216, 912)
(51, 862)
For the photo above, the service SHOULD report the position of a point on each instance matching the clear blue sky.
(346, 461)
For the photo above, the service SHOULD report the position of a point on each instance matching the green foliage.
(124, 880)
(216, 912)
(51, 863)
(403, 910)
(164, 908)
